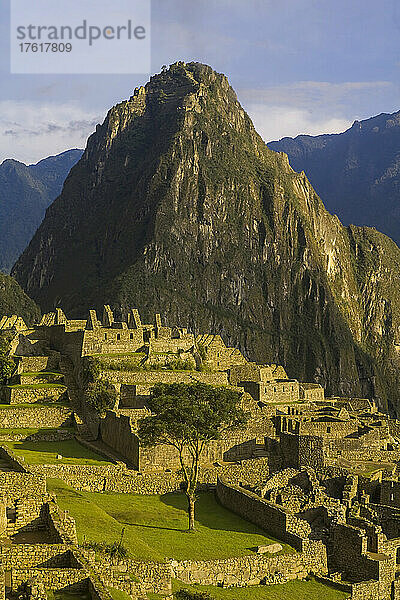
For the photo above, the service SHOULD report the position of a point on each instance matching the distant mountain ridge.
(356, 173)
(25, 193)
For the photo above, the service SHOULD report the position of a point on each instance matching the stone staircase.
(259, 451)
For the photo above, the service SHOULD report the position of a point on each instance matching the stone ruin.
(321, 474)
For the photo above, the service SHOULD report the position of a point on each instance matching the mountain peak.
(178, 203)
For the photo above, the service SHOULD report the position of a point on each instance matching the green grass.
(119, 354)
(41, 452)
(292, 590)
(35, 386)
(31, 431)
(63, 595)
(44, 374)
(35, 405)
(119, 594)
(156, 526)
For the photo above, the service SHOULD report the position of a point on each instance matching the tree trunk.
(191, 501)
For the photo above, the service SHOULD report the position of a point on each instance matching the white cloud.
(275, 122)
(30, 131)
(307, 107)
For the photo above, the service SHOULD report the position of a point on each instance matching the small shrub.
(90, 371)
(7, 368)
(115, 550)
(101, 395)
(178, 364)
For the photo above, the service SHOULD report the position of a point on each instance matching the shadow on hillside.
(211, 514)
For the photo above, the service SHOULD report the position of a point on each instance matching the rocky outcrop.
(356, 173)
(178, 203)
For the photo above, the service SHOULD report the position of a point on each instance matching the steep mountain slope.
(25, 193)
(14, 301)
(356, 173)
(177, 205)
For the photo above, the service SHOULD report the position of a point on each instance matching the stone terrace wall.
(51, 579)
(153, 577)
(271, 517)
(43, 435)
(115, 478)
(35, 416)
(30, 395)
(150, 378)
(245, 570)
(21, 485)
(27, 556)
(34, 364)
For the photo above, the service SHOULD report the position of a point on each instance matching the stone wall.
(21, 485)
(43, 435)
(151, 378)
(114, 478)
(35, 417)
(52, 579)
(27, 556)
(34, 364)
(108, 340)
(31, 394)
(350, 555)
(270, 517)
(243, 571)
(301, 450)
(116, 431)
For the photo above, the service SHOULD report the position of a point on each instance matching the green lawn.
(156, 526)
(73, 453)
(293, 590)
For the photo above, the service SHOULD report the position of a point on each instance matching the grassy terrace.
(35, 405)
(35, 386)
(156, 526)
(293, 590)
(32, 430)
(73, 453)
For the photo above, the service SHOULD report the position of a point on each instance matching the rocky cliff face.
(356, 173)
(25, 193)
(177, 205)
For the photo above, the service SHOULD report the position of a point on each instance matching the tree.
(188, 417)
(101, 395)
(7, 364)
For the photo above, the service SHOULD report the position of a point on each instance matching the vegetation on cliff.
(14, 301)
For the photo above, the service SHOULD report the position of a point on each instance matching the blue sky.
(298, 66)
